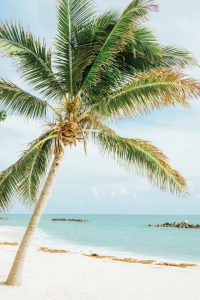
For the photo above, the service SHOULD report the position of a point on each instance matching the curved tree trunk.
(15, 275)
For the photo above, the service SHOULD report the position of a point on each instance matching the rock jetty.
(184, 224)
(69, 220)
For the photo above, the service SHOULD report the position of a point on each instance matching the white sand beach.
(70, 276)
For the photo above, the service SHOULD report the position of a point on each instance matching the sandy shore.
(68, 276)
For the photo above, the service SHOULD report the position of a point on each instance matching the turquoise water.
(124, 234)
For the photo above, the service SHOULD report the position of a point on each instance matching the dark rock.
(182, 225)
(69, 220)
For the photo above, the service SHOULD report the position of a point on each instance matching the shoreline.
(130, 260)
(13, 234)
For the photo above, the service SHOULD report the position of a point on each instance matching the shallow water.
(125, 235)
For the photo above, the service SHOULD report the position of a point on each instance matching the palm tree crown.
(102, 67)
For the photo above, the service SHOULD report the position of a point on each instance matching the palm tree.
(103, 67)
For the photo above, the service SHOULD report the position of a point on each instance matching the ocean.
(120, 235)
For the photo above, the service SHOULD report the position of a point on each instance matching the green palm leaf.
(89, 41)
(72, 14)
(3, 115)
(15, 100)
(32, 57)
(37, 164)
(23, 179)
(148, 91)
(142, 156)
(144, 52)
(172, 57)
(118, 38)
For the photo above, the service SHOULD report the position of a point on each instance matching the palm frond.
(37, 166)
(16, 100)
(118, 38)
(143, 156)
(72, 14)
(175, 57)
(144, 52)
(23, 179)
(140, 54)
(3, 115)
(148, 91)
(89, 41)
(33, 59)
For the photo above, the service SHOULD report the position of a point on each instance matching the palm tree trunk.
(16, 272)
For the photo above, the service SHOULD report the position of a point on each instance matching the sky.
(96, 184)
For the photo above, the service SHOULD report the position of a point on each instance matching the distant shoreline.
(98, 255)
